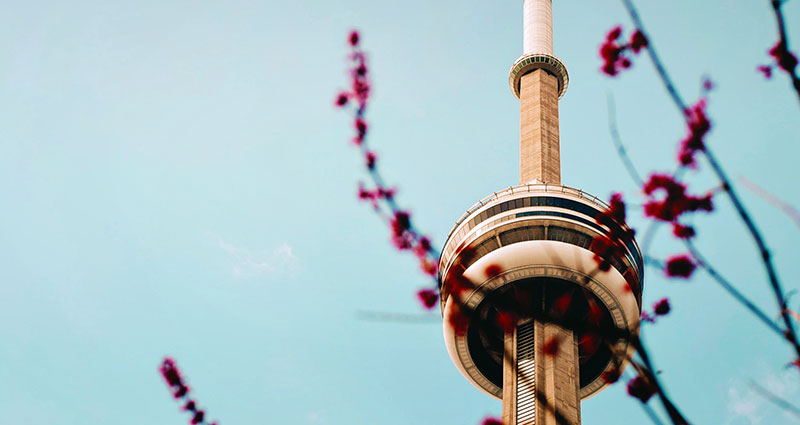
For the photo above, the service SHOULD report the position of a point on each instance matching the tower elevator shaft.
(540, 376)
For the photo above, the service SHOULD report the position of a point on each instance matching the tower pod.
(522, 251)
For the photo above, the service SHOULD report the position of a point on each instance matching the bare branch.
(774, 399)
(773, 200)
(617, 140)
(766, 258)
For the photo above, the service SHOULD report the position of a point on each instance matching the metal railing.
(529, 188)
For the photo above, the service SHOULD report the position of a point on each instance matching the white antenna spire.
(537, 27)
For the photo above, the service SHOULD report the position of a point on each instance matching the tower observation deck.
(529, 317)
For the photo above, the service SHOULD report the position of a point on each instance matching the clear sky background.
(175, 181)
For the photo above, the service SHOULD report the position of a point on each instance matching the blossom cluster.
(172, 376)
(660, 308)
(611, 244)
(782, 58)
(641, 388)
(491, 421)
(382, 198)
(674, 202)
(698, 126)
(613, 51)
(667, 198)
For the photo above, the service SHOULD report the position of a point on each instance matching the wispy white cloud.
(318, 418)
(747, 406)
(744, 406)
(248, 263)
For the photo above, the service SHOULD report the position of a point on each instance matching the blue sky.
(175, 181)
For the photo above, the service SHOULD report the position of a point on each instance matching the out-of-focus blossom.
(491, 421)
(551, 346)
(680, 266)
(428, 298)
(698, 126)
(766, 70)
(615, 53)
(783, 57)
(353, 38)
(638, 41)
(675, 201)
(682, 231)
(172, 376)
(641, 388)
(662, 307)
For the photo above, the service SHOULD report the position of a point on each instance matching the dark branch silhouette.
(773, 200)
(774, 399)
(690, 116)
(180, 390)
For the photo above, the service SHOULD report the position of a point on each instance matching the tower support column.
(540, 388)
(539, 156)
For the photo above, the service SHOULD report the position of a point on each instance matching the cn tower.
(529, 316)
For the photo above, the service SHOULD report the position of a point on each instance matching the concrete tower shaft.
(539, 139)
(538, 79)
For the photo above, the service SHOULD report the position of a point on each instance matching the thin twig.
(773, 200)
(651, 414)
(617, 140)
(649, 235)
(662, 72)
(382, 316)
(772, 274)
(674, 414)
(783, 404)
(728, 287)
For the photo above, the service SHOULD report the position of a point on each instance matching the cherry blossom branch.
(696, 255)
(405, 236)
(728, 287)
(172, 376)
(698, 259)
(647, 372)
(766, 257)
(785, 59)
(613, 244)
(651, 414)
(699, 126)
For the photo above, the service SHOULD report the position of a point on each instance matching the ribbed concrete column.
(540, 156)
(537, 26)
(539, 388)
